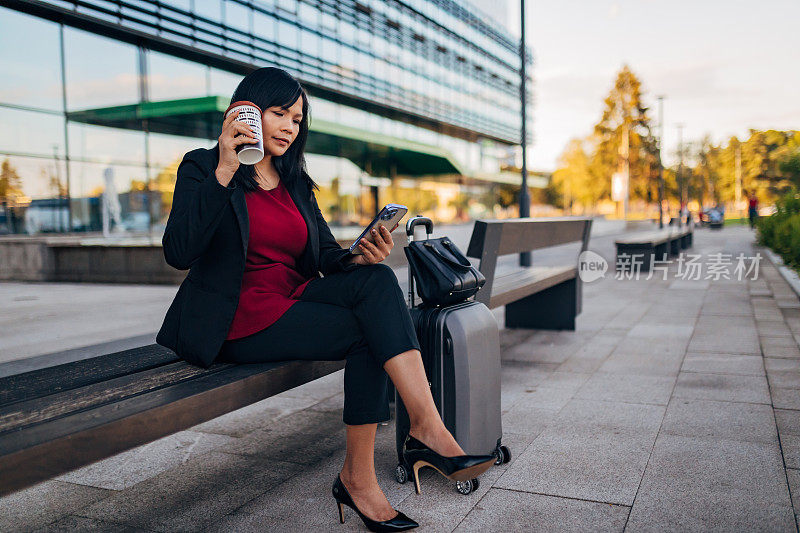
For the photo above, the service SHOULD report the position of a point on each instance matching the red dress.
(271, 283)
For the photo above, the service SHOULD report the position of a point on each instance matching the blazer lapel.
(311, 252)
(240, 208)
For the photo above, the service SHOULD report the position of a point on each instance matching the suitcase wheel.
(465, 487)
(401, 473)
(502, 454)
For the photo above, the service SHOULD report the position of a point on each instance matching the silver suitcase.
(461, 353)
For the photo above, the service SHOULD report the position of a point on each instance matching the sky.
(723, 67)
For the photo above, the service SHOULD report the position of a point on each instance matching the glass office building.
(413, 101)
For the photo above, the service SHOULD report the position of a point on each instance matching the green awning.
(200, 117)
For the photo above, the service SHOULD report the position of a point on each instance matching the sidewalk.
(675, 405)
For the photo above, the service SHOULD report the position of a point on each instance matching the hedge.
(781, 231)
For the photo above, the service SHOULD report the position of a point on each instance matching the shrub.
(781, 231)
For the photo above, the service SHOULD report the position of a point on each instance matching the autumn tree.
(586, 166)
(624, 113)
(10, 184)
(574, 184)
(767, 163)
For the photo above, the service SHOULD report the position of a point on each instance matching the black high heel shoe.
(458, 468)
(399, 523)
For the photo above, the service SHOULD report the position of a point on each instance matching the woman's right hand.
(234, 133)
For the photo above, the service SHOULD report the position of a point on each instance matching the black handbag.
(442, 273)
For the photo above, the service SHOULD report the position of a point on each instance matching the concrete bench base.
(553, 308)
(644, 249)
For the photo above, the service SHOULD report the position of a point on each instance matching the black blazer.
(207, 233)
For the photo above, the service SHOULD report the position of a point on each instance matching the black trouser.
(360, 316)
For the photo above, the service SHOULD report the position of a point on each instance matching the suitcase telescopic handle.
(413, 222)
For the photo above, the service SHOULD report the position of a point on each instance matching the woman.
(254, 241)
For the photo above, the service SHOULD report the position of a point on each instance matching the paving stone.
(793, 475)
(44, 503)
(725, 420)
(788, 379)
(503, 510)
(712, 484)
(319, 389)
(546, 347)
(711, 363)
(184, 498)
(588, 358)
(632, 313)
(543, 397)
(143, 462)
(760, 292)
(303, 438)
(727, 307)
(767, 314)
(440, 507)
(305, 498)
(791, 450)
(654, 332)
(694, 511)
(253, 523)
(785, 398)
(635, 346)
(788, 421)
(334, 404)
(526, 419)
(773, 328)
(627, 388)
(643, 363)
(524, 374)
(722, 387)
(790, 302)
(780, 347)
(73, 524)
(565, 380)
(593, 450)
(724, 341)
(695, 285)
(778, 364)
(517, 377)
(242, 421)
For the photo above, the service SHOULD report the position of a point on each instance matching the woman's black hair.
(269, 87)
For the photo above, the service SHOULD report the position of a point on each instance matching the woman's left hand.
(375, 253)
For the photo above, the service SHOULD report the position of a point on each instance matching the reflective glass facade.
(431, 71)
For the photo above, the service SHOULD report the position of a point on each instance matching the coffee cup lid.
(241, 102)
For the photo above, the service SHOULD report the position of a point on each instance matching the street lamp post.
(524, 197)
(680, 174)
(660, 162)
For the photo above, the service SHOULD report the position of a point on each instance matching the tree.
(625, 112)
(573, 182)
(790, 166)
(10, 184)
(767, 163)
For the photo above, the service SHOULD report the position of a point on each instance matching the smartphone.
(388, 216)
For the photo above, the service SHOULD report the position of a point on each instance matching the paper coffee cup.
(250, 114)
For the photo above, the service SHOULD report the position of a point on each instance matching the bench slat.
(527, 234)
(39, 410)
(59, 445)
(37, 383)
(513, 286)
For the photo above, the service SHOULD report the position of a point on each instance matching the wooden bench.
(65, 416)
(645, 247)
(540, 297)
